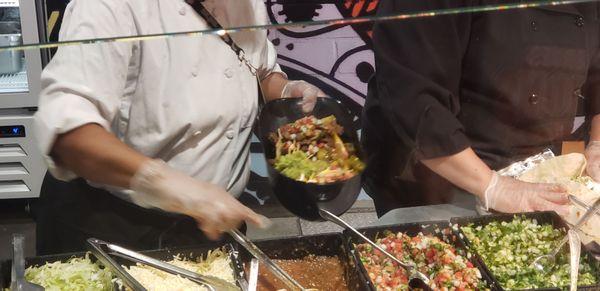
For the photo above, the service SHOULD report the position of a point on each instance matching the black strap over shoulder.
(213, 23)
(226, 37)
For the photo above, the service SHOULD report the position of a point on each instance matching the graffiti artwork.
(337, 58)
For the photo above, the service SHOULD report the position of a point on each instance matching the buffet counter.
(449, 243)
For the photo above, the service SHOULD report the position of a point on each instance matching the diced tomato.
(444, 277)
(398, 273)
(424, 250)
(446, 259)
(396, 281)
(430, 253)
(398, 249)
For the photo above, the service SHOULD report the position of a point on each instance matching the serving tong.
(578, 201)
(102, 249)
(416, 279)
(542, 261)
(18, 282)
(253, 275)
(264, 259)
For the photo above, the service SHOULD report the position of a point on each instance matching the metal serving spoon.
(416, 279)
(542, 261)
(18, 282)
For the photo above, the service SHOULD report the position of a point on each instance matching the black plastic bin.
(412, 229)
(542, 218)
(331, 245)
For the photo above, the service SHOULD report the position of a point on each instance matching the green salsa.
(508, 248)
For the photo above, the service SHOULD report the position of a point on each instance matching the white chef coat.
(186, 100)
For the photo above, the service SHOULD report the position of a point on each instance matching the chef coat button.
(533, 99)
(182, 11)
(579, 22)
(577, 93)
(229, 73)
(229, 134)
(194, 74)
(534, 26)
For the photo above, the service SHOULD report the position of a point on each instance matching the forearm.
(273, 85)
(464, 169)
(97, 155)
(595, 128)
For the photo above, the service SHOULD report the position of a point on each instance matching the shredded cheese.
(217, 264)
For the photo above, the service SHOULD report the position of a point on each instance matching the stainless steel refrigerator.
(21, 165)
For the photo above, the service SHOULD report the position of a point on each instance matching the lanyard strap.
(213, 23)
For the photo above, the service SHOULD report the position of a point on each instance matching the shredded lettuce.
(77, 274)
(298, 166)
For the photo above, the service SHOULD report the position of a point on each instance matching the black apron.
(68, 213)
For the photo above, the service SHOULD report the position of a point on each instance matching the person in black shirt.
(455, 97)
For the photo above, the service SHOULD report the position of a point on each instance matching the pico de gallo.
(446, 269)
(311, 150)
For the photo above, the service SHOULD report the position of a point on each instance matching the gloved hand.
(307, 91)
(592, 155)
(506, 194)
(158, 185)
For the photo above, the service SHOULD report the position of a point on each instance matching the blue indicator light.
(12, 131)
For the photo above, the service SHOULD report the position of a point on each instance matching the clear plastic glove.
(307, 91)
(158, 185)
(506, 194)
(592, 155)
